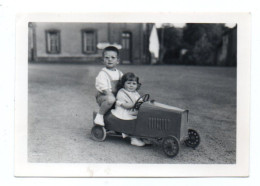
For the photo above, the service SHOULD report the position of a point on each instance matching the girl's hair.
(129, 76)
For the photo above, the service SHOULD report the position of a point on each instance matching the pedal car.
(156, 122)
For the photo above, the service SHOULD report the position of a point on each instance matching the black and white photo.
(188, 73)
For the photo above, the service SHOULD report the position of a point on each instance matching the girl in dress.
(125, 100)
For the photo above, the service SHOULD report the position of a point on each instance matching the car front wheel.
(171, 146)
(193, 140)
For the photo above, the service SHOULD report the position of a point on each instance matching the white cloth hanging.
(154, 42)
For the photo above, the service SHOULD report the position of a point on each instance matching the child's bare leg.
(104, 107)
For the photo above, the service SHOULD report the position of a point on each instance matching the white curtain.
(154, 43)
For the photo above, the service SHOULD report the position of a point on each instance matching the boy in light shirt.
(107, 82)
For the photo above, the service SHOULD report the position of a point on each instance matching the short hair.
(129, 76)
(111, 48)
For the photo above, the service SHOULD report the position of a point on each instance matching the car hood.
(164, 106)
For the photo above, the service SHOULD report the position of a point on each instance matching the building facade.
(79, 42)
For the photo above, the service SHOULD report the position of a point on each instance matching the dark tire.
(171, 146)
(98, 133)
(193, 139)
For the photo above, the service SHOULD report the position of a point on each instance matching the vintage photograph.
(132, 93)
(185, 75)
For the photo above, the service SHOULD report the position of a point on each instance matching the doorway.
(126, 40)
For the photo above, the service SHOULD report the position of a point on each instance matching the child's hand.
(127, 105)
(134, 112)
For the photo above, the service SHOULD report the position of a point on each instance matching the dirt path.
(61, 102)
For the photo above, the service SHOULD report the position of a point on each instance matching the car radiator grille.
(158, 123)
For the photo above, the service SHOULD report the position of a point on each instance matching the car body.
(156, 122)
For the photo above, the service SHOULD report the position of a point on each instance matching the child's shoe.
(137, 142)
(99, 120)
(124, 135)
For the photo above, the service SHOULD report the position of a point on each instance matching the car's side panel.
(154, 121)
(118, 125)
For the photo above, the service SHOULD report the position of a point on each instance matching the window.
(53, 41)
(89, 41)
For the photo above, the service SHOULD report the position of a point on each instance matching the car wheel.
(98, 133)
(193, 139)
(171, 146)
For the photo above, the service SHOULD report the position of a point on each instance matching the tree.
(170, 41)
(202, 41)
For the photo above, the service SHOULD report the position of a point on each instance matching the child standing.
(125, 100)
(107, 83)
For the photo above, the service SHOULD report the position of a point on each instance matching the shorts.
(100, 98)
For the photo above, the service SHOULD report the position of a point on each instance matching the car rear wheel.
(98, 133)
(193, 139)
(171, 146)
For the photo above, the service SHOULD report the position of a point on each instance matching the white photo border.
(241, 168)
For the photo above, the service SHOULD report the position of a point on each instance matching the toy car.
(156, 122)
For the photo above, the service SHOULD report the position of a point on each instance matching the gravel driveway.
(61, 102)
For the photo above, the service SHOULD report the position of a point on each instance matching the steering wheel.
(140, 101)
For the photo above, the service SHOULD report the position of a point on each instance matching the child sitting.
(107, 82)
(125, 100)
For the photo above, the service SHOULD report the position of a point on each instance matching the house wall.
(137, 38)
(71, 41)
